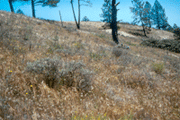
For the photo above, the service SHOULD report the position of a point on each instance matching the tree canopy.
(107, 11)
(159, 16)
(147, 14)
(139, 13)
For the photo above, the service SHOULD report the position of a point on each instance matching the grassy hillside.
(49, 72)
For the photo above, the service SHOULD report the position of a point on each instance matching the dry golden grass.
(125, 87)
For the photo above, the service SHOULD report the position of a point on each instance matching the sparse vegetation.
(117, 51)
(63, 74)
(177, 33)
(158, 67)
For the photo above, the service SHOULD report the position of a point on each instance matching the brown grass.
(123, 87)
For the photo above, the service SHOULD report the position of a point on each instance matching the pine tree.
(176, 31)
(43, 3)
(107, 10)
(85, 18)
(19, 11)
(147, 14)
(159, 16)
(12, 1)
(175, 26)
(169, 28)
(139, 13)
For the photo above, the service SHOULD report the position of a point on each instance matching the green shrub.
(101, 35)
(78, 45)
(158, 67)
(129, 43)
(95, 56)
(53, 45)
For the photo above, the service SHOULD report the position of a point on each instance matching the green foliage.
(138, 11)
(101, 35)
(54, 45)
(20, 12)
(147, 14)
(78, 45)
(158, 67)
(90, 117)
(107, 10)
(85, 18)
(100, 117)
(159, 16)
(95, 56)
(177, 31)
(129, 43)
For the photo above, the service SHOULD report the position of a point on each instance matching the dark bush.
(171, 45)
(117, 51)
(85, 18)
(177, 33)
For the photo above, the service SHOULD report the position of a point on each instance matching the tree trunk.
(79, 14)
(11, 6)
(33, 8)
(74, 14)
(144, 29)
(157, 18)
(149, 23)
(60, 18)
(114, 22)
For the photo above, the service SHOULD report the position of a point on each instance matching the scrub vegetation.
(50, 72)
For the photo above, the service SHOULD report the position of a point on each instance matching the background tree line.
(53, 3)
(145, 14)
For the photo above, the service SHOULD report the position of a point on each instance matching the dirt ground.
(125, 30)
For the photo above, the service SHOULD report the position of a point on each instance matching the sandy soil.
(126, 28)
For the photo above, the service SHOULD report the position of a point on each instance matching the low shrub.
(57, 73)
(158, 67)
(117, 51)
(95, 56)
(171, 45)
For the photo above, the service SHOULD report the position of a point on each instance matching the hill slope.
(50, 72)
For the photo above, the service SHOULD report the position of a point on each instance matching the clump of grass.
(26, 33)
(53, 45)
(117, 51)
(95, 56)
(78, 45)
(90, 117)
(158, 67)
(64, 52)
(125, 59)
(174, 62)
(101, 35)
(129, 43)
